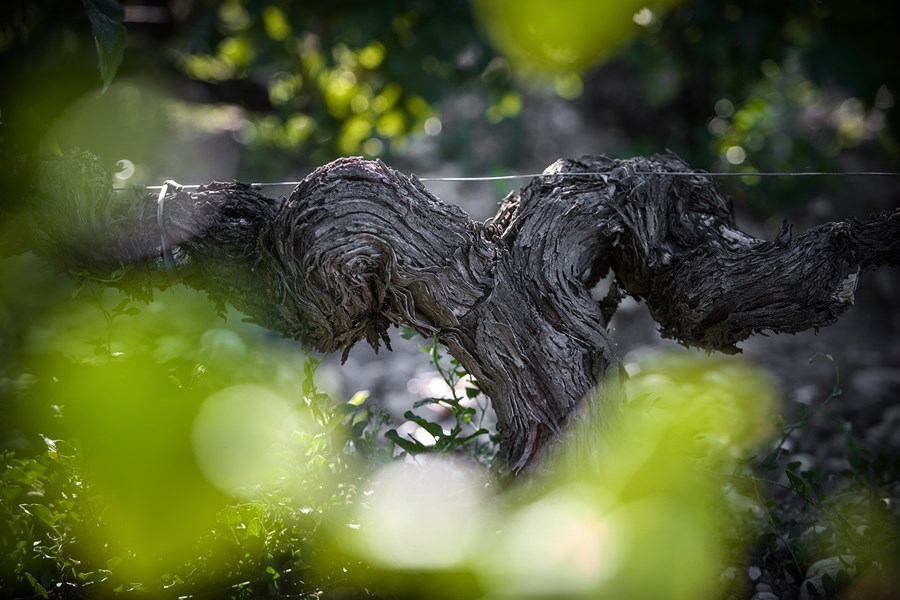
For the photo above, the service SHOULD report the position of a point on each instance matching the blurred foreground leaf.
(562, 36)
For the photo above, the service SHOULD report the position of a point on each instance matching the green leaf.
(467, 438)
(411, 446)
(472, 392)
(359, 397)
(59, 450)
(770, 460)
(106, 18)
(10, 492)
(426, 401)
(229, 516)
(40, 512)
(51, 444)
(357, 428)
(36, 585)
(118, 308)
(254, 528)
(429, 426)
(797, 483)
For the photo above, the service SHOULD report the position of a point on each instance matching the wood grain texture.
(358, 247)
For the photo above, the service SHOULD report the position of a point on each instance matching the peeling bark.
(358, 247)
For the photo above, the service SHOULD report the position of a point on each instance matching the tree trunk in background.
(358, 247)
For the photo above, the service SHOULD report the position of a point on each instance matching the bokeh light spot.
(735, 155)
(724, 108)
(433, 126)
(562, 544)
(423, 516)
(240, 438)
(568, 86)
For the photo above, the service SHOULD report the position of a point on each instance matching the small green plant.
(467, 434)
(45, 513)
(804, 413)
(95, 292)
(277, 542)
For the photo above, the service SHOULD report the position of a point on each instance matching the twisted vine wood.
(358, 247)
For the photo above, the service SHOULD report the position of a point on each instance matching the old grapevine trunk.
(359, 247)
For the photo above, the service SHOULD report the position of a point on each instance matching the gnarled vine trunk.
(358, 247)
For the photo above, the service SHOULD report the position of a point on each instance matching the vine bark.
(358, 247)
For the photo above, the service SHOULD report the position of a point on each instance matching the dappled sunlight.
(579, 542)
(424, 514)
(205, 442)
(242, 437)
(567, 542)
(598, 531)
(784, 112)
(357, 108)
(157, 442)
(659, 482)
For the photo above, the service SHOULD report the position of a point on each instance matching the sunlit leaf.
(429, 426)
(359, 398)
(40, 512)
(38, 588)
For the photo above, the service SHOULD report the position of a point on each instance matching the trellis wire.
(169, 261)
(588, 173)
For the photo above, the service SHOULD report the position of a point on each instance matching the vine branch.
(359, 247)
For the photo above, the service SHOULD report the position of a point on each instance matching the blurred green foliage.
(774, 86)
(130, 505)
(147, 444)
(157, 448)
(321, 79)
(353, 77)
(567, 36)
